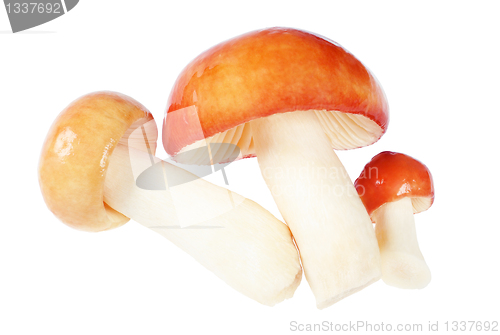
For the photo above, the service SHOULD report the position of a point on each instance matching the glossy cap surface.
(391, 176)
(271, 71)
(75, 157)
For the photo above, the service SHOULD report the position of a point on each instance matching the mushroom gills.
(235, 238)
(319, 203)
(403, 264)
(344, 130)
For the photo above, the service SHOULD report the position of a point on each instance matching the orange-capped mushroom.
(267, 72)
(290, 97)
(394, 186)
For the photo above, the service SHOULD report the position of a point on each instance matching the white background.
(438, 63)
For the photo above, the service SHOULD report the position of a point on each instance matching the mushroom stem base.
(319, 203)
(235, 238)
(403, 265)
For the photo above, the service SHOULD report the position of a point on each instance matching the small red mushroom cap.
(391, 176)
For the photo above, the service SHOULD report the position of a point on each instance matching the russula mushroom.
(393, 187)
(87, 180)
(290, 97)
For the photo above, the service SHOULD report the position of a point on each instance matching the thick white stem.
(319, 203)
(403, 265)
(233, 237)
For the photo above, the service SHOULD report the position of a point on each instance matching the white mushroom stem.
(235, 238)
(403, 265)
(319, 203)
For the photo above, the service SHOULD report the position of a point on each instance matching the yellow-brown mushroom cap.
(75, 157)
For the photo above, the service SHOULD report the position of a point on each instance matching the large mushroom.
(290, 97)
(91, 156)
(393, 187)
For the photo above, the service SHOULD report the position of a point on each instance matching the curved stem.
(233, 237)
(403, 265)
(319, 203)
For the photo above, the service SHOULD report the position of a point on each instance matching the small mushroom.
(393, 187)
(87, 178)
(290, 97)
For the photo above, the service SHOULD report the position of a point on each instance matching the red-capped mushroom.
(91, 156)
(393, 187)
(290, 97)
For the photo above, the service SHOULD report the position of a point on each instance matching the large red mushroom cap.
(391, 176)
(271, 71)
